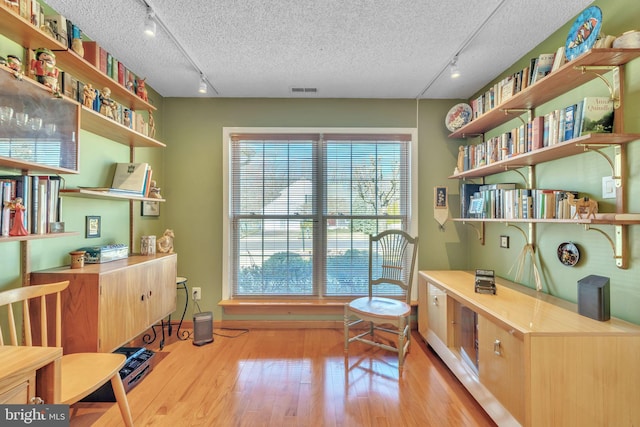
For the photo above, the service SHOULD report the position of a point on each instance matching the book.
(6, 211)
(543, 66)
(130, 178)
(597, 115)
(92, 53)
(537, 130)
(559, 59)
(569, 121)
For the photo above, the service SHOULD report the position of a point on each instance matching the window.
(302, 206)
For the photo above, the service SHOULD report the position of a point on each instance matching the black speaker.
(593, 297)
(202, 328)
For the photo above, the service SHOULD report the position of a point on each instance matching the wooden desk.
(28, 372)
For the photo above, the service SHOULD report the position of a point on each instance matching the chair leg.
(346, 331)
(401, 336)
(121, 398)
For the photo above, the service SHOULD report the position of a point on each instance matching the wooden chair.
(81, 373)
(392, 256)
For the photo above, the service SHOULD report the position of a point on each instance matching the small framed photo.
(150, 208)
(440, 198)
(92, 227)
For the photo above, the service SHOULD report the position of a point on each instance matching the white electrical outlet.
(196, 294)
(608, 187)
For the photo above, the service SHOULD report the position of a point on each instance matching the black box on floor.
(137, 366)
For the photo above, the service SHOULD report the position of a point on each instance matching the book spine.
(34, 205)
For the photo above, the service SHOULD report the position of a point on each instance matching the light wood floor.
(291, 378)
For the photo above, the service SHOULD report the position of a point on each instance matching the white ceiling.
(344, 48)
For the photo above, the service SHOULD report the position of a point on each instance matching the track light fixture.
(455, 71)
(202, 88)
(150, 23)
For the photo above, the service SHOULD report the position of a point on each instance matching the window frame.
(227, 184)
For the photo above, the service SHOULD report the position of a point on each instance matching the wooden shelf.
(553, 152)
(98, 194)
(603, 218)
(32, 168)
(22, 32)
(37, 236)
(555, 84)
(95, 122)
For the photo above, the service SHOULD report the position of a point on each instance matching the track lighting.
(150, 23)
(202, 88)
(455, 71)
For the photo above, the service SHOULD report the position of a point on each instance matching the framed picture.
(150, 208)
(440, 198)
(92, 227)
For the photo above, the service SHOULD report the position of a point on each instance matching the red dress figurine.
(44, 68)
(18, 221)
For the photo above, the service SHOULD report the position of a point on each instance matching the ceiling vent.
(304, 90)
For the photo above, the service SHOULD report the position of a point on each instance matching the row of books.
(40, 196)
(591, 115)
(505, 201)
(75, 89)
(104, 61)
(132, 179)
(501, 91)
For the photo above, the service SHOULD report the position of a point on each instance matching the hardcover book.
(543, 66)
(597, 115)
(130, 178)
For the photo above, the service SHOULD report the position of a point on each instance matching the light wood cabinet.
(107, 305)
(19, 393)
(539, 363)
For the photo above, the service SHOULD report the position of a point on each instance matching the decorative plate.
(458, 116)
(584, 32)
(568, 254)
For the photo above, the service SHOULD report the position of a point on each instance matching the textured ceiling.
(344, 48)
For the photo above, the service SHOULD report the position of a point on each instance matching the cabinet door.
(437, 312)
(501, 365)
(161, 289)
(423, 323)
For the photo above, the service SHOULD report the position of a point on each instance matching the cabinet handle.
(142, 297)
(496, 348)
(36, 400)
(435, 300)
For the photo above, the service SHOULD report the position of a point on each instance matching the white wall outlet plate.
(608, 187)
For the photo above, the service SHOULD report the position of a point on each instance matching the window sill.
(283, 306)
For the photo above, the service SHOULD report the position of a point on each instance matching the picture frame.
(92, 226)
(150, 208)
(440, 199)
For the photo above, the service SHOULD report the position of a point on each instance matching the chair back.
(22, 297)
(392, 258)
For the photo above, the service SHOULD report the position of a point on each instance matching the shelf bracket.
(618, 245)
(479, 231)
(615, 164)
(614, 86)
(529, 112)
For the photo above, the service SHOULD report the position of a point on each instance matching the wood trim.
(286, 307)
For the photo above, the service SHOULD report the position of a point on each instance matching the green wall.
(189, 171)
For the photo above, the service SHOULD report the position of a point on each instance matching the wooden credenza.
(107, 305)
(533, 360)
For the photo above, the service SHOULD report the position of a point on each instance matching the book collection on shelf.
(591, 115)
(132, 180)
(40, 198)
(505, 201)
(95, 98)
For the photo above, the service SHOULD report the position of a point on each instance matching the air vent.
(304, 90)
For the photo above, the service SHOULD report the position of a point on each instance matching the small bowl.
(628, 40)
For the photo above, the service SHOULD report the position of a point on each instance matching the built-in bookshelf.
(591, 65)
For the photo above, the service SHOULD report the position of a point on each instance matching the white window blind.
(303, 206)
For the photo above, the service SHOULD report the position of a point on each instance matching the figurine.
(142, 90)
(18, 220)
(77, 47)
(15, 64)
(460, 163)
(154, 192)
(165, 243)
(107, 105)
(44, 68)
(88, 95)
(152, 126)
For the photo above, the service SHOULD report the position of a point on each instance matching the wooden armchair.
(81, 373)
(392, 257)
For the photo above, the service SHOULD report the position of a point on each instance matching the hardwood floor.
(296, 377)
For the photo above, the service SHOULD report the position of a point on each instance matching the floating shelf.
(103, 194)
(95, 122)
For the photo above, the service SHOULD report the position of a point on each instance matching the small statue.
(44, 69)
(460, 163)
(18, 220)
(152, 126)
(88, 95)
(165, 243)
(154, 192)
(77, 47)
(141, 91)
(15, 63)
(107, 105)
